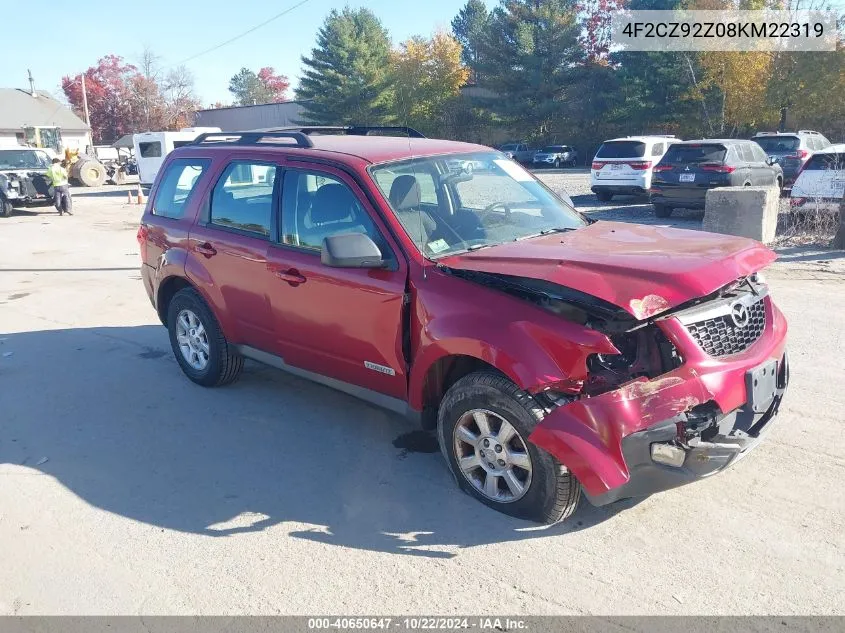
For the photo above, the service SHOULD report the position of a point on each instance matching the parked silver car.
(556, 156)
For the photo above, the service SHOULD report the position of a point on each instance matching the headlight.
(758, 278)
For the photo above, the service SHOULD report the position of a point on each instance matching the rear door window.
(692, 154)
(243, 198)
(621, 149)
(176, 185)
(150, 150)
(746, 153)
(657, 150)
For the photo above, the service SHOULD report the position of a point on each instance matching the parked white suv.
(624, 165)
(820, 185)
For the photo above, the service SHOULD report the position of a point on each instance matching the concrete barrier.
(745, 211)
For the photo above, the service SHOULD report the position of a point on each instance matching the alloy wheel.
(492, 455)
(192, 339)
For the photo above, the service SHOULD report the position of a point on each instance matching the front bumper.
(605, 440)
(738, 433)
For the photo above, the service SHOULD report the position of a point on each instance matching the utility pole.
(85, 102)
(31, 83)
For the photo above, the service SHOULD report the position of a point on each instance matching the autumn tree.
(346, 79)
(108, 96)
(469, 28)
(427, 76)
(596, 20)
(266, 86)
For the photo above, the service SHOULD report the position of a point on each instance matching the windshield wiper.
(557, 229)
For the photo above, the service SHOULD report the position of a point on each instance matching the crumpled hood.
(644, 270)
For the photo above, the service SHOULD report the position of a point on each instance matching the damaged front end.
(689, 391)
(24, 188)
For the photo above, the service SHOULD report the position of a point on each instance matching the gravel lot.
(126, 489)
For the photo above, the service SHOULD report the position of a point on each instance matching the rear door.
(343, 323)
(229, 244)
(620, 160)
(763, 174)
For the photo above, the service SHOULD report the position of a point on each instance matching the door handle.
(205, 249)
(291, 276)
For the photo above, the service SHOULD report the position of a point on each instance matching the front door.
(344, 323)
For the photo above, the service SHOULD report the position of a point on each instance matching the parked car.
(689, 169)
(791, 150)
(556, 156)
(23, 179)
(624, 165)
(469, 302)
(520, 152)
(820, 185)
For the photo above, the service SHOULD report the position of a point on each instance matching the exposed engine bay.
(25, 187)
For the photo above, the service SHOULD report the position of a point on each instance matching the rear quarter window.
(150, 150)
(176, 186)
(621, 149)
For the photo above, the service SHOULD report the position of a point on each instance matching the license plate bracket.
(761, 385)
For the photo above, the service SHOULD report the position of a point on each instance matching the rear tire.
(662, 211)
(91, 173)
(604, 196)
(216, 363)
(549, 493)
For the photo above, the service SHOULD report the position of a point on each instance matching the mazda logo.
(740, 315)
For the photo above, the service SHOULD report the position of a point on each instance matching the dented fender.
(586, 435)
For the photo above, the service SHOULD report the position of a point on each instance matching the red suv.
(552, 353)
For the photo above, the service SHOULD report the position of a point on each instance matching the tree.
(427, 75)
(254, 89)
(596, 20)
(180, 100)
(530, 58)
(107, 90)
(347, 78)
(469, 28)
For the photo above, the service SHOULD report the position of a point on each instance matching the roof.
(124, 141)
(19, 109)
(644, 137)
(372, 149)
(714, 141)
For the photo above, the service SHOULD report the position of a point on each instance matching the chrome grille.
(720, 336)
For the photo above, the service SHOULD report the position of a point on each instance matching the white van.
(624, 165)
(820, 185)
(152, 147)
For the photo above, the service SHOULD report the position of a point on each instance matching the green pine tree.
(347, 78)
(469, 28)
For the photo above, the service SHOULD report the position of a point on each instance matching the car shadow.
(108, 414)
(119, 191)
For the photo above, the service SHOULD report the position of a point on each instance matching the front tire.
(604, 196)
(483, 426)
(198, 342)
(5, 208)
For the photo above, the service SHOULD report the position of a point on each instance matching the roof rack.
(253, 138)
(807, 132)
(350, 130)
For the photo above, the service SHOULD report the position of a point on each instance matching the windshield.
(621, 149)
(450, 204)
(23, 159)
(553, 149)
(778, 144)
(509, 148)
(686, 154)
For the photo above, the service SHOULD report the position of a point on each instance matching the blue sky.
(69, 41)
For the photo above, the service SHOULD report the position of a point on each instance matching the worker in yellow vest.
(57, 175)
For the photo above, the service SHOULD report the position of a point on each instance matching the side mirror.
(351, 250)
(771, 160)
